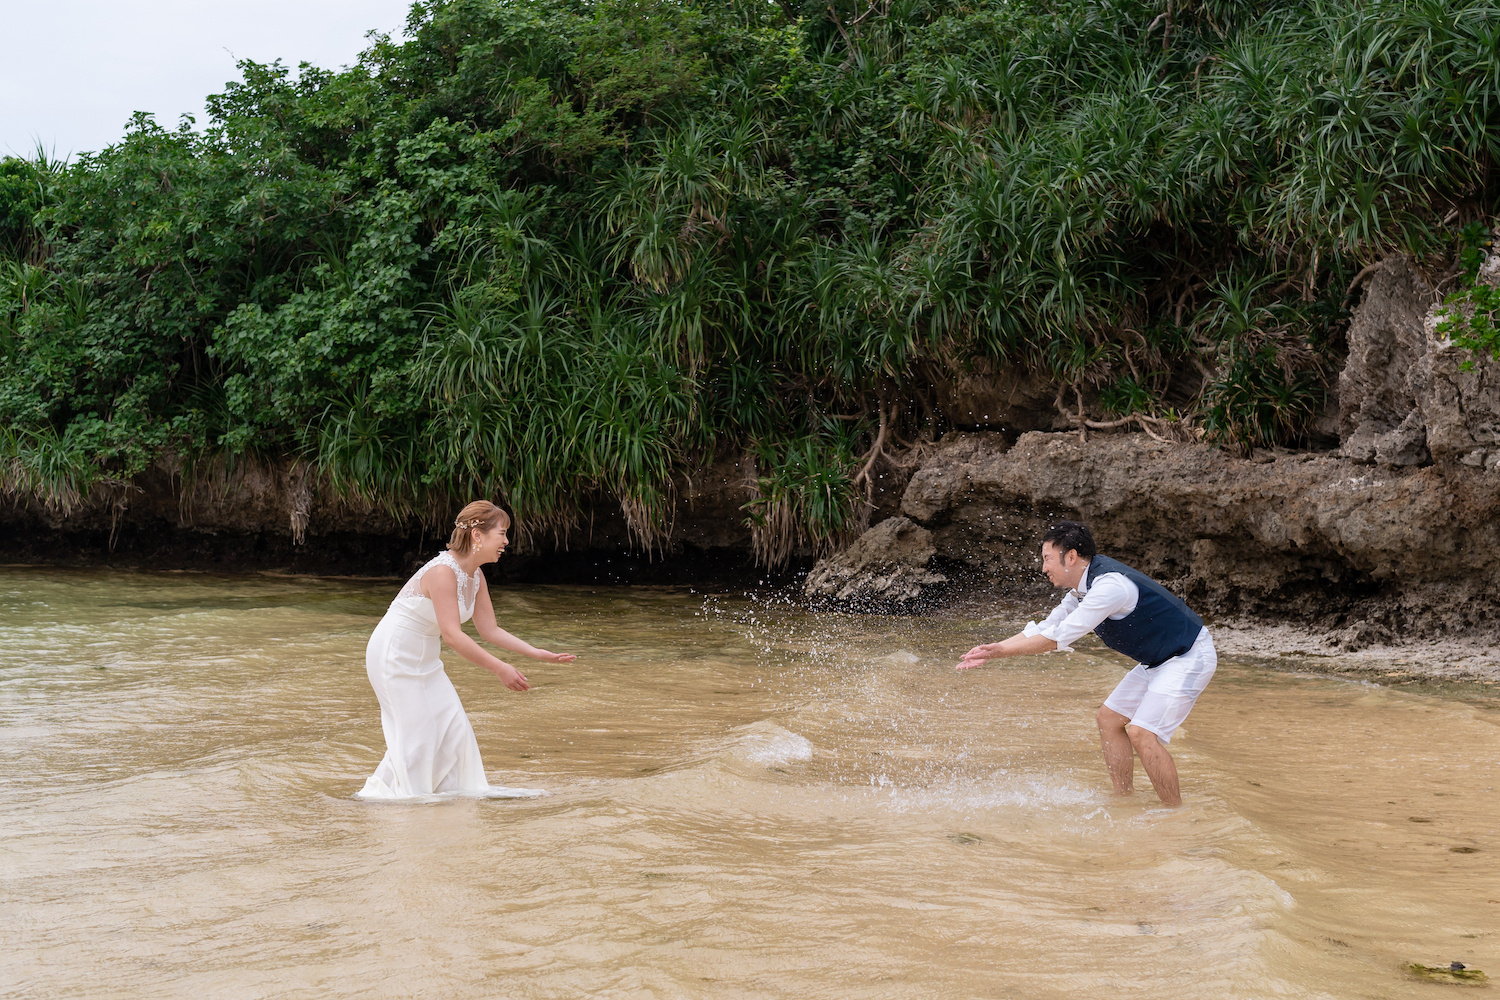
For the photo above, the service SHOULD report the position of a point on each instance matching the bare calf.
(1122, 743)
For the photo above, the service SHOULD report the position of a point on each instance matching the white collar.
(1083, 581)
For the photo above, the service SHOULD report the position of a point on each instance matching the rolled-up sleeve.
(1057, 617)
(1074, 618)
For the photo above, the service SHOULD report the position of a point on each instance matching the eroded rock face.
(1379, 416)
(1302, 534)
(887, 565)
(1408, 395)
(1398, 535)
(1013, 398)
(1460, 394)
(244, 497)
(253, 515)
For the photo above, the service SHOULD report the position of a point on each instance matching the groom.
(1134, 615)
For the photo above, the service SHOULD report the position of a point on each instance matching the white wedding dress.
(430, 748)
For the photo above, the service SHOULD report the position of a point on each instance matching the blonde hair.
(480, 514)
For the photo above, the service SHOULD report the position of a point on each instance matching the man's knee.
(1139, 735)
(1108, 718)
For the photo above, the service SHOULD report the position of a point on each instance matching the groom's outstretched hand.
(976, 657)
(1019, 644)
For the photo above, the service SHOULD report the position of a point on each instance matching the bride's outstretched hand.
(551, 657)
(512, 678)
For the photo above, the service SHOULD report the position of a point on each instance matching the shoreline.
(1298, 647)
(1275, 645)
(1279, 645)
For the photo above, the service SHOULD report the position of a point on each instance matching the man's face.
(1063, 568)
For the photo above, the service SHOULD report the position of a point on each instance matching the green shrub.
(1471, 315)
(1256, 402)
(807, 497)
(1126, 395)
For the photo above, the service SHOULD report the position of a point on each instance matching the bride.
(429, 744)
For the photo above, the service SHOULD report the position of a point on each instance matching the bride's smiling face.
(489, 544)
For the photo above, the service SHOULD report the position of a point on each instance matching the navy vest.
(1160, 627)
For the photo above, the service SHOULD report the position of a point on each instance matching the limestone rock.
(1408, 395)
(1316, 536)
(887, 565)
(1379, 416)
(1460, 394)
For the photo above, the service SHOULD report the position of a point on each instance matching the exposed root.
(302, 498)
(911, 455)
(119, 503)
(1364, 273)
(875, 452)
(1147, 423)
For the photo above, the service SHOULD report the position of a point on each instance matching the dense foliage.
(552, 249)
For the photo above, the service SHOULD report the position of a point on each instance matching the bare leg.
(1159, 765)
(1119, 755)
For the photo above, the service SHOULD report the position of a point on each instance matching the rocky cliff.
(1407, 396)
(1395, 534)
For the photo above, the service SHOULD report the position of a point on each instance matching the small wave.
(768, 744)
(1030, 792)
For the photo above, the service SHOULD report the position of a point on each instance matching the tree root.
(1080, 420)
(914, 453)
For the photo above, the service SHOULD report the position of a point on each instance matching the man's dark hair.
(1065, 535)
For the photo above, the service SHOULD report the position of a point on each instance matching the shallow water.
(747, 801)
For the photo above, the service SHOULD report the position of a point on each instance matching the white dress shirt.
(1112, 596)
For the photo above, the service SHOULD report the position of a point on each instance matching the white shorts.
(1159, 698)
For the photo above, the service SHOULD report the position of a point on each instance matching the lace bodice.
(468, 584)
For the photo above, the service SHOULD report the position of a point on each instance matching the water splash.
(769, 745)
